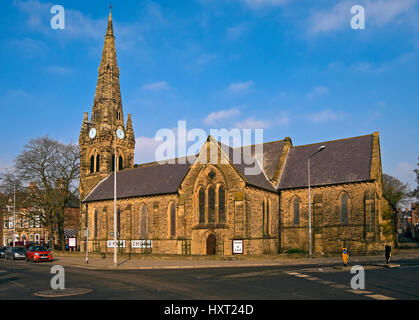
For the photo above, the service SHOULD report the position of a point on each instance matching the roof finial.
(110, 5)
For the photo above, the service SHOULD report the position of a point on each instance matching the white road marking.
(379, 297)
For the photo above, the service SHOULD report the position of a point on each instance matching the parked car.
(15, 253)
(38, 253)
(2, 252)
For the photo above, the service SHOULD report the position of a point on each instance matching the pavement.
(153, 263)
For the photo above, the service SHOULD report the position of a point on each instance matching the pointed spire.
(107, 106)
(109, 31)
(130, 129)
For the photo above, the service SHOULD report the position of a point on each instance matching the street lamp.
(119, 134)
(310, 252)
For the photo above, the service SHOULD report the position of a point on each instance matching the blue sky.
(292, 67)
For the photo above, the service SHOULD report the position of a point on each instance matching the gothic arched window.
(263, 217)
(121, 164)
(296, 205)
(221, 205)
(95, 226)
(143, 222)
(92, 164)
(98, 163)
(211, 205)
(118, 222)
(268, 209)
(344, 209)
(172, 220)
(113, 163)
(201, 206)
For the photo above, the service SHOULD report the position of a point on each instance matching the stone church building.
(207, 208)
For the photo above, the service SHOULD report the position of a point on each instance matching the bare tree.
(54, 167)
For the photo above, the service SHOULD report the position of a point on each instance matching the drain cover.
(62, 293)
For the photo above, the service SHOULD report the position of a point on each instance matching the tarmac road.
(20, 280)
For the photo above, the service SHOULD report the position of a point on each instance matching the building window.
(211, 205)
(268, 209)
(263, 217)
(95, 227)
(296, 211)
(173, 220)
(37, 238)
(92, 164)
(121, 164)
(118, 222)
(221, 205)
(344, 209)
(143, 222)
(201, 206)
(98, 163)
(113, 163)
(37, 222)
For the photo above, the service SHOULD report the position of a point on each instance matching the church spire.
(107, 107)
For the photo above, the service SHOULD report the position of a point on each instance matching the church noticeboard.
(237, 246)
(121, 243)
(141, 244)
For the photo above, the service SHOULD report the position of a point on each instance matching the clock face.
(120, 133)
(92, 133)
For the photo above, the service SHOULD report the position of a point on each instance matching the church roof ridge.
(336, 140)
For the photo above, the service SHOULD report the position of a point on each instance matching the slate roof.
(142, 181)
(343, 161)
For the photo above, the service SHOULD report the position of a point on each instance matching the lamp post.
(14, 216)
(310, 250)
(119, 134)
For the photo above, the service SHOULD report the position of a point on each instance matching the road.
(20, 280)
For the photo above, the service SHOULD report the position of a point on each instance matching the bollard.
(388, 253)
(345, 256)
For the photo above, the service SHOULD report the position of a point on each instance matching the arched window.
(296, 210)
(118, 222)
(113, 163)
(121, 164)
(211, 205)
(143, 222)
(98, 163)
(201, 206)
(92, 164)
(173, 220)
(344, 209)
(263, 217)
(221, 205)
(95, 226)
(268, 209)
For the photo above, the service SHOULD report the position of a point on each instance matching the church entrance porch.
(211, 244)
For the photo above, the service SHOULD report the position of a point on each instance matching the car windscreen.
(39, 248)
(19, 250)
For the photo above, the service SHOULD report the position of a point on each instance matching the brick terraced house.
(202, 207)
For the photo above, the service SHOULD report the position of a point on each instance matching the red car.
(38, 253)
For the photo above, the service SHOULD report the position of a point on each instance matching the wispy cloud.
(251, 123)
(325, 116)
(213, 117)
(318, 92)
(378, 13)
(58, 70)
(156, 86)
(236, 32)
(260, 4)
(240, 87)
(145, 149)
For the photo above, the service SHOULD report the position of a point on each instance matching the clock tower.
(98, 135)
